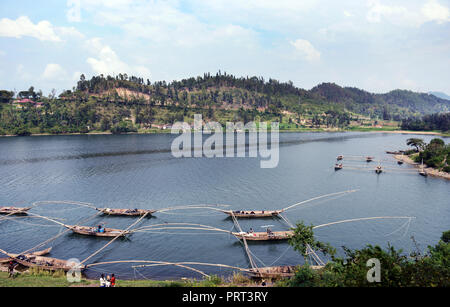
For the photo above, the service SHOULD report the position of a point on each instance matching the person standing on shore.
(113, 281)
(11, 267)
(102, 281)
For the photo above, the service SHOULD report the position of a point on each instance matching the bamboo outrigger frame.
(47, 263)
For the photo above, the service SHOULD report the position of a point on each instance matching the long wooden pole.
(316, 198)
(363, 219)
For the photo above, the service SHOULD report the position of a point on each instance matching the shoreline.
(281, 131)
(430, 171)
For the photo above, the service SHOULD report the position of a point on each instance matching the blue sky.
(376, 45)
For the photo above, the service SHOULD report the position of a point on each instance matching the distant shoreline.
(168, 131)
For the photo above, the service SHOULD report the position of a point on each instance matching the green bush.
(123, 127)
(21, 131)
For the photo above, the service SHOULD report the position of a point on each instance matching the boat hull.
(47, 263)
(91, 231)
(14, 210)
(126, 212)
(253, 214)
(264, 236)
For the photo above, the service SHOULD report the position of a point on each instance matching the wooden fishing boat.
(93, 231)
(38, 253)
(253, 214)
(14, 210)
(378, 170)
(400, 162)
(369, 159)
(275, 272)
(126, 212)
(265, 236)
(340, 157)
(422, 171)
(45, 263)
(338, 167)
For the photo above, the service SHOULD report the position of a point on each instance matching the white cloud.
(306, 50)
(107, 61)
(433, 11)
(379, 11)
(43, 30)
(69, 32)
(23, 26)
(407, 16)
(54, 72)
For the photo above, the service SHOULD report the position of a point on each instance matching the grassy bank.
(58, 279)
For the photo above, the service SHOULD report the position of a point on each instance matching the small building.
(20, 103)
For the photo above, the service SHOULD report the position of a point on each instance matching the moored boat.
(94, 231)
(253, 214)
(277, 271)
(340, 157)
(14, 210)
(38, 253)
(46, 263)
(422, 171)
(369, 159)
(126, 212)
(265, 236)
(338, 166)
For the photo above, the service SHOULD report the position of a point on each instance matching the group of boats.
(378, 169)
(41, 261)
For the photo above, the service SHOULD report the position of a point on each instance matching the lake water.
(138, 171)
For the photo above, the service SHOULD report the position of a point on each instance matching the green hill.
(105, 103)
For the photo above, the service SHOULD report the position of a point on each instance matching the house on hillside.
(20, 103)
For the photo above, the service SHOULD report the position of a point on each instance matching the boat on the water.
(38, 253)
(338, 166)
(94, 231)
(265, 236)
(378, 169)
(126, 212)
(369, 159)
(273, 272)
(276, 272)
(46, 263)
(422, 171)
(253, 214)
(14, 210)
(340, 157)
